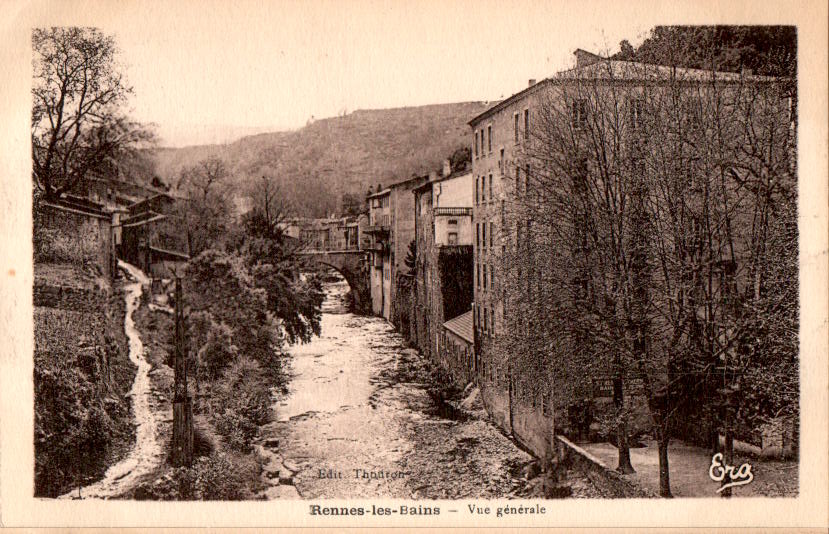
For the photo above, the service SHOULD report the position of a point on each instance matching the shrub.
(217, 477)
(241, 402)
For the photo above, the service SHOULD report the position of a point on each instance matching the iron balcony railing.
(453, 211)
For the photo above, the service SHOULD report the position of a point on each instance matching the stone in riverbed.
(291, 466)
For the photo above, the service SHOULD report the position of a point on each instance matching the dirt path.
(146, 454)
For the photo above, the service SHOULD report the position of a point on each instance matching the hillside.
(317, 164)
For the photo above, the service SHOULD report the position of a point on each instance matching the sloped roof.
(461, 326)
(614, 70)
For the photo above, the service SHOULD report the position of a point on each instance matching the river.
(359, 422)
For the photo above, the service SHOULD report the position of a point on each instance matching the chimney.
(447, 168)
(531, 82)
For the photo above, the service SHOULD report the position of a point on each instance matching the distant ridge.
(319, 163)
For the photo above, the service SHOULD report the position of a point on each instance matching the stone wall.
(66, 235)
(606, 479)
(457, 358)
(80, 299)
(81, 354)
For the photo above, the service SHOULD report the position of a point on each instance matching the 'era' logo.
(738, 476)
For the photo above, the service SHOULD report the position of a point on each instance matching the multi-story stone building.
(502, 137)
(379, 231)
(392, 228)
(442, 281)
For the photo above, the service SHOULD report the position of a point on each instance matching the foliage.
(411, 257)
(461, 159)
(217, 477)
(217, 350)
(55, 245)
(206, 212)
(272, 258)
(316, 165)
(767, 50)
(241, 402)
(219, 283)
(352, 204)
(78, 124)
(76, 421)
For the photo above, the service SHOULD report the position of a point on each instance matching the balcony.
(456, 212)
(377, 229)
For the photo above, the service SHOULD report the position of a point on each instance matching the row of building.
(439, 242)
(138, 224)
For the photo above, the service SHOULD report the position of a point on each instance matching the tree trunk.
(664, 471)
(729, 456)
(621, 429)
(624, 451)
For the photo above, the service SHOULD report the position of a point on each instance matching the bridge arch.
(352, 266)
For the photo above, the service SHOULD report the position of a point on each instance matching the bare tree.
(206, 209)
(78, 120)
(660, 194)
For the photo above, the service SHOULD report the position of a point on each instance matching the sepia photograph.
(406, 264)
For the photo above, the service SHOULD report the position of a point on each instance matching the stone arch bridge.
(353, 266)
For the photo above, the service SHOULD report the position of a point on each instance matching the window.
(579, 113)
(483, 234)
(527, 180)
(637, 108)
(492, 280)
(489, 137)
(483, 142)
(476, 143)
(490, 187)
(517, 180)
(453, 238)
(694, 111)
(501, 163)
(485, 277)
(478, 235)
(483, 188)
(486, 321)
(515, 117)
(476, 190)
(492, 319)
(491, 233)
(478, 275)
(526, 124)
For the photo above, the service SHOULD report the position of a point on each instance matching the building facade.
(456, 348)
(505, 147)
(442, 283)
(391, 227)
(379, 232)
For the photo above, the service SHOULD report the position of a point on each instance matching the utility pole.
(182, 454)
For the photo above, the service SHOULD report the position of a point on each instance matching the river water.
(359, 422)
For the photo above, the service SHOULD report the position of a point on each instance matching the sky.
(213, 71)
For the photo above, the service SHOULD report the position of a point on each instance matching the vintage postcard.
(425, 264)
